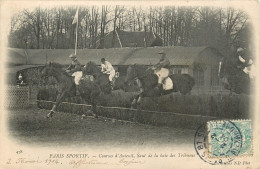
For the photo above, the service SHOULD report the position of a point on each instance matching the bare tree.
(118, 11)
(233, 22)
(196, 26)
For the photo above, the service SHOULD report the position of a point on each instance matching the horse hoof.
(50, 114)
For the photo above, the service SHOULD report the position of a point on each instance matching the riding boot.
(111, 84)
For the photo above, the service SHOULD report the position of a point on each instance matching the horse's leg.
(147, 93)
(58, 100)
(94, 108)
(135, 100)
(139, 99)
(93, 102)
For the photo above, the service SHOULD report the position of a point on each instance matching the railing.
(17, 96)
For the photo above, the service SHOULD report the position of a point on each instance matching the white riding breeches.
(251, 71)
(167, 84)
(163, 79)
(112, 75)
(77, 76)
(162, 74)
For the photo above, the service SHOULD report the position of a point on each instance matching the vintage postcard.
(129, 84)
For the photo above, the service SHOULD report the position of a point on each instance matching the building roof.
(16, 56)
(176, 55)
(132, 39)
(127, 38)
(114, 55)
(117, 56)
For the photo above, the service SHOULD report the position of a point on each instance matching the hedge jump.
(177, 120)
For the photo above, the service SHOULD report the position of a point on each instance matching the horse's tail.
(191, 80)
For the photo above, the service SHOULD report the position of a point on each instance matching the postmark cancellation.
(230, 138)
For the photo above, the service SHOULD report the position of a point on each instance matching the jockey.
(163, 63)
(162, 73)
(245, 62)
(107, 68)
(74, 67)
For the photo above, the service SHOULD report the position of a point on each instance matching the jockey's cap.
(103, 60)
(72, 56)
(240, 50)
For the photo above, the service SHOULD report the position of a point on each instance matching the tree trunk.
(114, 31)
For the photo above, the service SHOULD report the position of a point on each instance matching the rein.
(58, 73)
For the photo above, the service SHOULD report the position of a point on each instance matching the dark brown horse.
(182, 83)
(66, 85)
(102, 80)
(233, 77)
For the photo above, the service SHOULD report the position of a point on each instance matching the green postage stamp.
(230, 138)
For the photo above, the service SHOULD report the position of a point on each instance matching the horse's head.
(50, 69)
(131, 74)
(45, 72)
(90, 68)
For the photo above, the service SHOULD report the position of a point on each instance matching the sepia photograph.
(129, 84)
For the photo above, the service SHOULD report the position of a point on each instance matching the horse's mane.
(91, 63)
(136, 65)
(60, 67)
(139, 67)
(56, 65)
(142, 70)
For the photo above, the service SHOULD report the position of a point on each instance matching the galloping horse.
(233, 75)
(102, 79)
(66, 84)
(148, 82)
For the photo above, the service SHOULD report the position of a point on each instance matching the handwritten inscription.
(132, 161)
(83, 159)
(78, 163)
(32, 161)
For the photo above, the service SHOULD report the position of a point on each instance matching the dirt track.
(31, 126)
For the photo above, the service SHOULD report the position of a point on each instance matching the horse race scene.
(115, 75)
